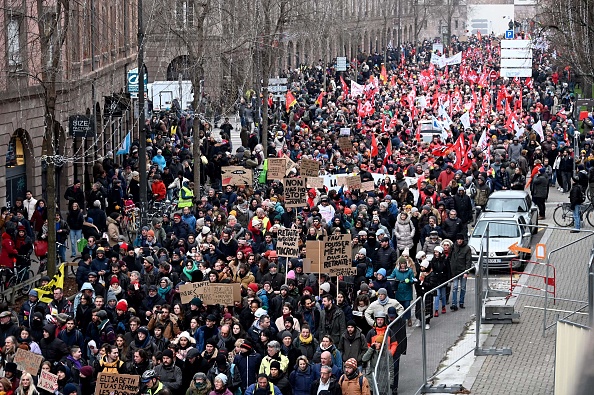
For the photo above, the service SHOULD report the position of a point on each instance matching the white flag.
(537, 127)
(356, 89)
(465, 119)
(483, 142)
(456, 59)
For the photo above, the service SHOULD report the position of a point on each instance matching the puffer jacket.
(248, 365)
(301, 380)
(405, 232)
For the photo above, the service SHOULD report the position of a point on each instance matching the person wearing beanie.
(352, 381)
(168, 372)
(352, 344)
(371, 358)
(279, 378)
(381, 281)
(364, 266)
(200, 385)
(263, 386)
(220, 385)
(70, 389)
(383, 303)
(222, 369)
(246, 362)
(404, 279)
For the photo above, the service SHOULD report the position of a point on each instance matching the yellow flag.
(46, 293)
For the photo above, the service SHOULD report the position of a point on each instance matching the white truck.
(162, 94)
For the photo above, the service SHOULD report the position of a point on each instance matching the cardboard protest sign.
(27, 361)
(117, 384)
(310, 168)
(367, 186)
(189, 291)
(289, 166)
(347, 271)
(345, 144)
(236, 175)
(345, 131)
(315, 182)
(221, 293)
(287, 243)
(295, 192)
(47, 381)
(337, 253)
(313, 252)
(276, 168)
(353, 182)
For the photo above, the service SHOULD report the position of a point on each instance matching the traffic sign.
(277, 81)
(509, 34)
(516, 249)
(277, 88)
(133, 81)
(341, 63)
(540, 251)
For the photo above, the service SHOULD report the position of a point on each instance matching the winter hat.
(382, 291)
(351, 323)
(122, 305)
(406, 252)
(275, 365)
(196, 302)
(168, 353)
(363, 251)
(364, 287)
(286, 334)
(253, 287)
(352, 362)
(69, 388)
(425, 263)
(325, 287)
(102, 314)
(291, 275)
(114, 280)
(382, 271)
(86, 371)
(222, 377)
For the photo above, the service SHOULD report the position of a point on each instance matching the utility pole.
(141, 121)
(196, 152)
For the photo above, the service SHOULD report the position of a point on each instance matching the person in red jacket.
(159, 189)
(9, 251)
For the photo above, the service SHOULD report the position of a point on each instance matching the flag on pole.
(384, 75)
(537, 127)
(374, 149)
(465, 119)
(320, 98)
(125, 146)
(345, 88)
(290, 100)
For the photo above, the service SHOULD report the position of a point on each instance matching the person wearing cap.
(426, 282)
(100, 265)
(275, 278)
(30, 307)
(382, 304)
(168, 372)
(151, 384)
(353, 382)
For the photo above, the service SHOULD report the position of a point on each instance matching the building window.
(456, 23)
(185, 13)
(14, 38)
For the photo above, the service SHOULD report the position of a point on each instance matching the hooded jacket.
(52, 349)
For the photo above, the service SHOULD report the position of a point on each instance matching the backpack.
(360, 381)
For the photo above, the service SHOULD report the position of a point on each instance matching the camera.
(158, 311)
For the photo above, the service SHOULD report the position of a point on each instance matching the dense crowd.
(293, 332)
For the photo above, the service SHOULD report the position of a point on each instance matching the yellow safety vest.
(188, 202)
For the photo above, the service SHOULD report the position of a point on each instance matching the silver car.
(514, 202)
(505, 229)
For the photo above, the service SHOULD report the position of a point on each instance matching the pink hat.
(291, 275)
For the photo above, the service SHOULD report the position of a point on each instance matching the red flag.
(418, 133)
(320, 98)
(374, 150)
(393, 81)
(384, 75)
(479, 35)
(462, 162)
(290, 100)
(441, 150)
(388, 153)
(345, 88)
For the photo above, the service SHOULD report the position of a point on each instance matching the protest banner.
(117, 384)
(189, 291)
(236, 175)
(345, 131)
(287, 243)
(46, 293)
(47, 381)
(353, 182)
(27, 361)
(295, 192)
(345, 144)
(221, 293)
(367, 186)
(276, 168)
(315, 182)
(337, 253)
(347, 271)
(310, 168)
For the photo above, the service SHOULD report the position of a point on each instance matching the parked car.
(514, 202)
(505, 229)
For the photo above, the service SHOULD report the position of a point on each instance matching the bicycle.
(130, 222)
(11, 277)
(563, 214)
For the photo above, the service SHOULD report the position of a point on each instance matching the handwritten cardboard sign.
(345, 144)
(310, 168)
(337, 253)
(289, 166)
(353, 182)
(276, 168)
(117, 384)
(236, 175)
(47, 381)
(211, 293)
(189, 291)
(315, 182)
(367, 186)
(27, 361)
(295, 192)
(313, 254)
(347, 271)
(287, 243)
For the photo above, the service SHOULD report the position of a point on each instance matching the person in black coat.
(279, 378)
(540, 191)
(325, 377)
(52, 349)
(75, 193)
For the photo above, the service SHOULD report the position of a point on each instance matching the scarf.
(163, 292)
(110, 367)
(188, 273)
(383, 302)
(304, 340)
(353, 375)
(75, 362)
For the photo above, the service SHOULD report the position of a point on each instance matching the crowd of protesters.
(293, 332)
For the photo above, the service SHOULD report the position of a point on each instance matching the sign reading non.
(337, 253)
(310, 168)
(117, 384)
(287, 243)
(81, 126)
(295, 192)
(276, 168)
(47, 381)
(236, 175)
(27, 361)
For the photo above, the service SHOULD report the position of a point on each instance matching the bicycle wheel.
(25, 290)
(563, 216)
(588, 215)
